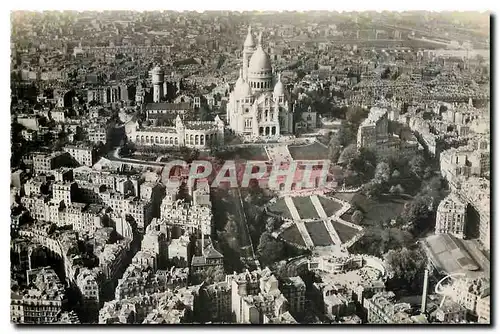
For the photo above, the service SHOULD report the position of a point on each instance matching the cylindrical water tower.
(158, 79)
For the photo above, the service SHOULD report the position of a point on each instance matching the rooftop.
(201, 125)
(449, 255)
(168, 106)
(374, 115)
(164, 129)
(449, 306)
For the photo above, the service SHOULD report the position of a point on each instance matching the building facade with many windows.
(450, 217)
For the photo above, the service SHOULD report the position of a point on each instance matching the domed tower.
(279, 91)
(158, 77)
(248, 50)
(239, 82)
(241, 88)
(260, 72)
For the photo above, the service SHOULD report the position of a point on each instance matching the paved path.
(328, 224)
(300, 224)
(115, 156)
(305, 235)
(319, 208)
(354, 226)
(292, 208)
(354, 240)
(332, 232)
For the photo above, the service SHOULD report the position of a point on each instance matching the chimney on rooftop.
(424, 292)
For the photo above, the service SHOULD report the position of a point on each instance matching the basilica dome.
(260, 62)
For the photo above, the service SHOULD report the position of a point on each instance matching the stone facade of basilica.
(259, 106)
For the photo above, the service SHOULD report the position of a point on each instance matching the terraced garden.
(318, 233)
(305, 208)
(292, 235)
(330, 206)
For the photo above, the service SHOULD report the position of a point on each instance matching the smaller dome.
(279, 88)
(249, 42)
(245, 90)
(239, 82)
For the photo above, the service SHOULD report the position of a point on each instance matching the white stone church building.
(259, 106)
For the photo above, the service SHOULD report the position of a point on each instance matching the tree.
(442, 109)
(348, 155)
(189, 154)
(373, 189)
(270, 250)
(209, 275)
(407, 265)
(385, 74)
(395, 175)
(377, 242)
(341, 138)
(355, 115)
(352, 179)
(364, 163)
(416, 210)
(345, 135)
(357, 217)
(334, 152)
(300, 74)
(417, 165)
(204, 113)
(396, 190)
(434, 191)
(428, 172)
(270, 224)
(382, 172)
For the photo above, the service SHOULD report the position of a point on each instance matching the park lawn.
(305, 207)
(293, 235)
(345, 232)
(345, 196)
(280, 208)
(254, 153)
(314, 151)
(377, 211)
(318, 233)
(330, 206)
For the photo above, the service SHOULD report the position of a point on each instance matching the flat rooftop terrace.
(450, 255)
